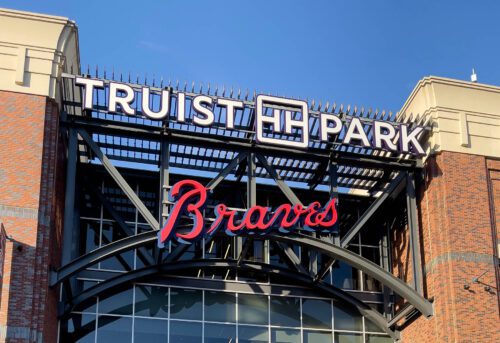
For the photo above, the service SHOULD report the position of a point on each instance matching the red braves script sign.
(190, 197)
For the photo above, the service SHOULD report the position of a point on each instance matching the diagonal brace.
(124, 186)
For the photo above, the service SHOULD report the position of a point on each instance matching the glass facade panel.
(186, 304)
(195, 314)
(285, 336)
(317, 314)
(150, 330)
(220, 307)
(114, 329)
(185, 332)
(347, 319)
(344, 337)
(253, 309)
(119, 303)
(378, 339)
(151, 301)
(80, 328)
(220, 333)
(254, 334)
(285, 311)
(317, 337)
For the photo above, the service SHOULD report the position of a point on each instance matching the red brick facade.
(31, 211)
(458, 243)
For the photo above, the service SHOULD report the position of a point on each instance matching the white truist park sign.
(288, 117)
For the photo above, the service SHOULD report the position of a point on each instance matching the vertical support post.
(251, 195)
(384, 250)
(69, 247)
(164, 185)
(334, 193)
(411, 203)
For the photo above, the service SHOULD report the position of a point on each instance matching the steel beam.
(279, 181)
(364, 265)
(236, 144)
(69, 243)
(124, 186)
(102, 253)
(391, 192)
(144, 256)
(412, 213)
(335, 252)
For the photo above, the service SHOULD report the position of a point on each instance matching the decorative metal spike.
(327, 106)
(217, 90)
(239, 93)
(208, 89)
(121, 77)
(161, 82)
(355, 110)
(319, 106)
(383, 114)
(169, 83)
(231, 92)
(145, 79)
(312, 104)
(104, 70)
(223, 90)
(362, 111)
(192, 87)
(246, 95)
(96, 71)
(88, 69)
(129, 77)
(348, 109)
(201, 88)
(137, 79)
(154, 81)
(334, 107)
(341, 108)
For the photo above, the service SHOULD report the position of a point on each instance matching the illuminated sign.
(190, 198)
(288, 117)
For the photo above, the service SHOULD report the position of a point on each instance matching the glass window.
(185, 304)
(344, 276)
(347, 319)
(114, 329)
(119, 303)
(378, 339)
(150, 330)
(252, 309)
(124, 261)
(254, 334)
(220, 306)
(317, 337)
(371, 326)
(285, 311)
(285, 336)
(151, 301)
(89, 235)
(341, 337)
(80, 328)
(185, 332)
(317, 313)
(220, 333)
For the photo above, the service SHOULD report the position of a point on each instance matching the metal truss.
(98, 136)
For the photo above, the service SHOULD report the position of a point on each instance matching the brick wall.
(31, 211)
(458, 243)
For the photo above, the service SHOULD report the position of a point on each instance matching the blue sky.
(365, 53)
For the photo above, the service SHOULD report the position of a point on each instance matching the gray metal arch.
(331, 250)
(137, 275)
